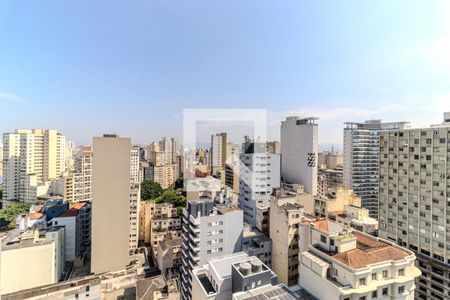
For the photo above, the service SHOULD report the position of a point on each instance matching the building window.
(323, 239)
(401, 272)
(385, 291)
(374, 276)
(401, 289)
(362, 298)
(374, 294)
(362, 281)
(385, 274)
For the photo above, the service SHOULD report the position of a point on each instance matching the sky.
(130, 67)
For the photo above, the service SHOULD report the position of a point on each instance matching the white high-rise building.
(361, 142)
(31, 158)
(414, 209)
(208, 231)
(259, 175)
(299, 151)
(169, 146)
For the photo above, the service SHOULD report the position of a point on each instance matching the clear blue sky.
(88, 67)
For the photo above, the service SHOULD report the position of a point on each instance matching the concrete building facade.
(299, 151)
(361, 156)
(208, 231)
(414, 208)
(111, 208)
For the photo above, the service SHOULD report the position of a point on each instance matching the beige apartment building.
(414, 208)
(111, 206)
(31, 259)
(333, 201)
(78, 185)
(287, 212)
(150, 211)
(31, 158)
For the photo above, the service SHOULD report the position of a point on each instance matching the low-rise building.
(168, 256)
(343, 264)
(334, 200)
(356, 217)
(256, 243)
(223, 276)
(263, 218)
(30, 259)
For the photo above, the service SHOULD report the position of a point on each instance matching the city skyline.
(292, 59)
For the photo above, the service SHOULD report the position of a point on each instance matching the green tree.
(179, 183)
(7, 215)
(150, 190)
(169, 196)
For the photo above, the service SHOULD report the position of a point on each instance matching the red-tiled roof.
(322, 225)
(369, 251)
(69, 213)
(35, 215)
(78, 205)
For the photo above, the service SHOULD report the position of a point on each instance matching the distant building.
(218, 152)
(299, 150)
(361, 156)
(232, 167)
(78, 185)
(31, 158)
(330, 160)
(334, 201)
(134, 163)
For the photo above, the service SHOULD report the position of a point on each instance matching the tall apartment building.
(163, 168)
(361, 155)
(259, 175)
(135, 199)
(111, 206)
(218, 152)
(30, 158)
(415, 203)
(169, 146)
(344, 264)
(208, 231)
(232, 167)
(299, 150)
(287, 235)
(1, 160)
(134, 163)
(78, 184)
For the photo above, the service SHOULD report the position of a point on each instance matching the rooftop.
(369, 251)
(222, 264)
(327, 226)
(226, 209)
(274, 292)
(72, 212)
(35, 215)
(167, 244)
(79, 205)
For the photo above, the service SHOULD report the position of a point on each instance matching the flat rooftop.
(227, 209)
(274, 292)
